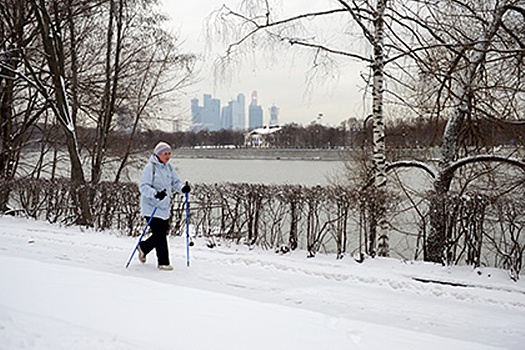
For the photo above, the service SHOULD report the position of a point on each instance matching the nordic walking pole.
(142, 235)
(187, 229)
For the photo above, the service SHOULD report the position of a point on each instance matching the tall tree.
(448, 46)
(257, 21)
(88, 62)
(111, 79)
(139, 67)
(15, 34)
(473, 69)
(52, 36)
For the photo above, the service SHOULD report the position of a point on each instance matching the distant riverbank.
(309, 154)
(260, 153)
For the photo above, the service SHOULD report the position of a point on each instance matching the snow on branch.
(413, 164)
(485, 158)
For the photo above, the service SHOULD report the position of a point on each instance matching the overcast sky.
(281, 82)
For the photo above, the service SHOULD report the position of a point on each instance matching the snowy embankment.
(63, 288)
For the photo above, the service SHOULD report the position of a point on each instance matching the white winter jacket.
(156, 177)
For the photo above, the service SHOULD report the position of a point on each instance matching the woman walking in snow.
(159, 179)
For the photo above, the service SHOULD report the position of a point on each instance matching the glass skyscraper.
(207, 116)
(255, 113)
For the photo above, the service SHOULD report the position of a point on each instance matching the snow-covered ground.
(64, 288)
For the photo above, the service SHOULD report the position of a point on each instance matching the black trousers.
(158, 240)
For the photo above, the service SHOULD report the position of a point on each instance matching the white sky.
(281, 82)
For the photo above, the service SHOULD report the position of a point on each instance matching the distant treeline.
(353, 133)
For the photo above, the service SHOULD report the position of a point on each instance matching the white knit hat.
(161, 148)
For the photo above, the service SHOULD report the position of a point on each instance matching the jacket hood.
(155, 160)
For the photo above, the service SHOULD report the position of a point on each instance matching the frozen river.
(264, 171)
(306, 172)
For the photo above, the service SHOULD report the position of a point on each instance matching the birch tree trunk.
(379, 155)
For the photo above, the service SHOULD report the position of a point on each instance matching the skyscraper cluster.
(210, 116)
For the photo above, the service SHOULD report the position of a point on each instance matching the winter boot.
(142, 256)
(165, 267)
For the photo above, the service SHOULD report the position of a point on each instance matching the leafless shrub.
(505, 234)
(115, 204)
(483, 229)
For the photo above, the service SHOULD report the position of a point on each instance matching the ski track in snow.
(281, 264)
(338, 288)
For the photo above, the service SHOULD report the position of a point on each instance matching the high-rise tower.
(238, 111)
(255, 113)
(206, 116)
(274, 115)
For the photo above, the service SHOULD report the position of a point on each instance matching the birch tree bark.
(379, 127)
